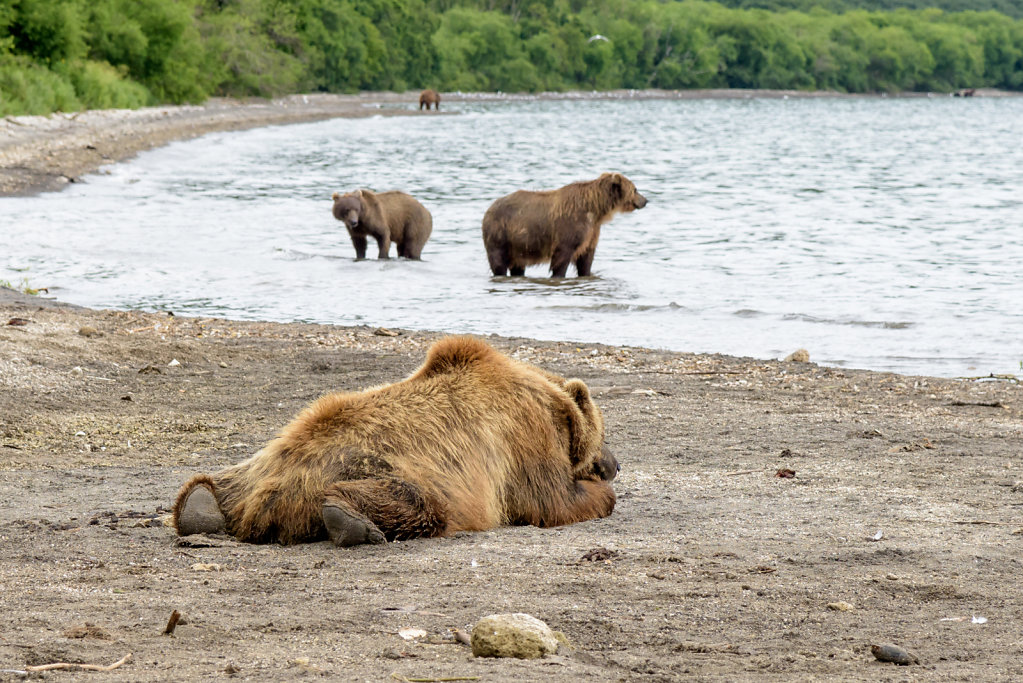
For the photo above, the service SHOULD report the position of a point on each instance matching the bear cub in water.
(386, 217)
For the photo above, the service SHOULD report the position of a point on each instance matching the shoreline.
(46, 153)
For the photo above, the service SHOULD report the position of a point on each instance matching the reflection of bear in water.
(428, 97)
(386, 217)
(472, 440)
(560, 226)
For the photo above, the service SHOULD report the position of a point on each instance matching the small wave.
(618, 308)
(878, 324)
(748, 313)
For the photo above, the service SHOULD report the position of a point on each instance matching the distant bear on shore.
(386, 217)
(428, 97)
(558, 226)
(472, 440)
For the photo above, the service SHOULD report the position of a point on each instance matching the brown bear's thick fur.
(428, 97)
(472, 440)
(386, 217)
(560, 226)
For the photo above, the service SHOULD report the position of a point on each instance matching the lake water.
(876, 233)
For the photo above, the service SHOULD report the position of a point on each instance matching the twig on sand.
(980, 521)
(83, 667)
(981, 404)
(715, 372)
(398, 677)
(738, 472)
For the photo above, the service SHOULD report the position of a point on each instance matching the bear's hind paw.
(347, 529)
(200, 514)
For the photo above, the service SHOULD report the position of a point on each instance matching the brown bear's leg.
(411, 251)
(360, 246)
(518, 271)
(384, 244)
(562, 257)
(381, 508)
(347, 527)
(585, 262)
(549, 503)
(196, 510)
(497, 256)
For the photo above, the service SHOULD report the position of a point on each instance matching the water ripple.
(869, 231)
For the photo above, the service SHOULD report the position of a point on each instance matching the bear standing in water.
(558, 226)
(386, 217)
(472, 440)
(428, 97)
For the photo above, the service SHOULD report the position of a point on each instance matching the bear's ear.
(579, 392)
(583, 424)
(616, 184)
(358, 193)
(335, 196)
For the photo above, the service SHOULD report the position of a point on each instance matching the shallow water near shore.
(877, 233)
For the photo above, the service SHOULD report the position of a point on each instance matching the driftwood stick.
(398, 677)
(83, 667)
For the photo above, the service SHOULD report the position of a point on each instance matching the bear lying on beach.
(470, 441)
(428, 97)
(386, 217)
(560, 226)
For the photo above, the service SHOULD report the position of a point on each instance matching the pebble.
(840, 606)
(798, 356)
(893, 654)
(89, 331)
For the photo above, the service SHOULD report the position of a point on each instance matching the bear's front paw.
(606, 466)
(346, 528)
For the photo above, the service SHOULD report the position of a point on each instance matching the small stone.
(384, 332)
(206, 567)
(840, 606)
(223, 364)
(77, 371)
(174, 363)
(512, 635)
(893, 654)
(798, 356)
(89, 331)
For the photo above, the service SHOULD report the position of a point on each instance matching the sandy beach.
(774, 519)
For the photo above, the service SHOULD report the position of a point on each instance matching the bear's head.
(624, 196)
(348, 208)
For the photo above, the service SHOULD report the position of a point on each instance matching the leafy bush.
(30, 88)
(95, 53)
(99, 85)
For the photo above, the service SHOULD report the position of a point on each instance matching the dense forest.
(72, 54)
